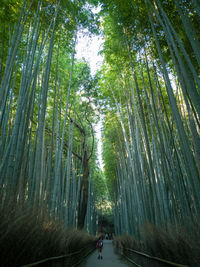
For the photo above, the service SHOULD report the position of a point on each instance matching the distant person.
(106, 236)
(100, 247)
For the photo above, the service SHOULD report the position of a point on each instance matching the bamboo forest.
(112, 150)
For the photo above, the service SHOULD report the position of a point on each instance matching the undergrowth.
(173, 245)
(27, 236)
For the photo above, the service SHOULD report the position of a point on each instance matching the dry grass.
(26, 237)
(173, 245)
(126, 241)
(76, 240)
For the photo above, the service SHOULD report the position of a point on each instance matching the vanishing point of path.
(110, 258)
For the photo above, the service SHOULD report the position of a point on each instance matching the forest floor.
(110, 258)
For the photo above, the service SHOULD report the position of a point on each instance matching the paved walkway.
(109, 257)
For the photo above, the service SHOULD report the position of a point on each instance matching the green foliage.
(47, 101)
(50, 103)
(100, 186)
(146, 115)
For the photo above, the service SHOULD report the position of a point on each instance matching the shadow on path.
(110, 258)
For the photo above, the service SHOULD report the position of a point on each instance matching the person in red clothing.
(100, 247)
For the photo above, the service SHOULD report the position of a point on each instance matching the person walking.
(106, 236)
(100, 247)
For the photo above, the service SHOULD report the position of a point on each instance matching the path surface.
(109, 257)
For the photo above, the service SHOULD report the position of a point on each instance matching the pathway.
(109, 257)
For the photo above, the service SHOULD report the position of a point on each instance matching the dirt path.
(109, 258)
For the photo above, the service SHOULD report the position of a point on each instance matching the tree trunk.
(83, 192)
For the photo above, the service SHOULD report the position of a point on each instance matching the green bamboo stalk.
(57, 167)
(186, 151)
(191, 34)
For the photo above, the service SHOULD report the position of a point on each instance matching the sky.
(88, 47)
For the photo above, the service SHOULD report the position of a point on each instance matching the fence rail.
(64, 260)
(140, 259)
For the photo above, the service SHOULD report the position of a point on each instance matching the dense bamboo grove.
(42, 167)
(155, 110)
(147, 91)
